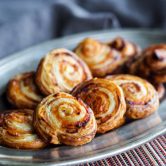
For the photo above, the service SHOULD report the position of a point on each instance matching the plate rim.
(135, 142)
(153, 31)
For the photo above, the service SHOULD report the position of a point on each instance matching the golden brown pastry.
(141, 97)
(60, 118)
(152, 64)
(18, 132)
(2, 114)
(100, 57)
(61, 70)
(107, 101)
(155, 59)
(129, 50)
(22, 91)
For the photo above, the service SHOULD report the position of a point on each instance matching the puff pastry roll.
(152, 64)
(101, 58)
(107, 101)
(141, 97)
(61, 70)
(129, 50)
(155, 59)
(61, 118)
(18, 132)
(22, 91)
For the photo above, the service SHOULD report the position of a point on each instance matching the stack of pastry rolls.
(44, 112)
(72, 96)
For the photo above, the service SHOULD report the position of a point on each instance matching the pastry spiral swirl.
(152, 64)
(129, 50)
(60, 118)
(18, 132)
(61, 70)
(22, 91)
(100, 58)
(155, 59)
(107, 101)
(141, 97)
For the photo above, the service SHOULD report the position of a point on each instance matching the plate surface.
(111, 143)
